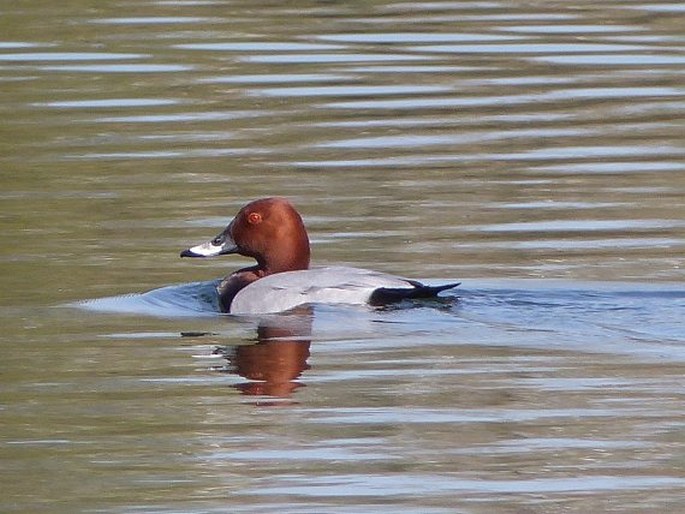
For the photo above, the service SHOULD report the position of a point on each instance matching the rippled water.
(533, 151)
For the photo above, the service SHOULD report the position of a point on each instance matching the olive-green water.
(534, 151)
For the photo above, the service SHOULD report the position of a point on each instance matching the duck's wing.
(331, 285)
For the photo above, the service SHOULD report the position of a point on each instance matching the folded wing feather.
(339, 284)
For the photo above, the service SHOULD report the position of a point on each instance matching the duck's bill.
(220, 245)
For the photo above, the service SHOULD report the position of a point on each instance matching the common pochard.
(271, 231)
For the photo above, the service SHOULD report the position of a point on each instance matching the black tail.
(386, 295)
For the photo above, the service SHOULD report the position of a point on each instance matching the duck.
(272, 232)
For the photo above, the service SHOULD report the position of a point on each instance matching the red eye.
(254, 218)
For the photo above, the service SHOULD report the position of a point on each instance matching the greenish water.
(532, 151)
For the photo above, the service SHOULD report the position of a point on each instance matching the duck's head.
(269, 230)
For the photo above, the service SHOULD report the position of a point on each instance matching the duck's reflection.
(275, 362)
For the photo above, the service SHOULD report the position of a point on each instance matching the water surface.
(533, 152)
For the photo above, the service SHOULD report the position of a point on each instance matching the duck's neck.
(283, 262)
(290, 255)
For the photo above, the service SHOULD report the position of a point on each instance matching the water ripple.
(342, 91)
(68, 56)
(614, 60)
(119, 68)
(278, 78)
(412, 37)
(579, 225)
(529, 48)
(109, 103)
(258, 47)
(152, 20)
(330, 58)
